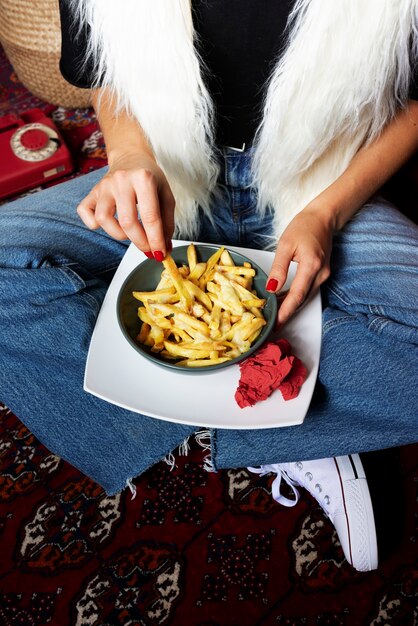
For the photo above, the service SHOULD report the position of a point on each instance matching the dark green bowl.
(146, 276)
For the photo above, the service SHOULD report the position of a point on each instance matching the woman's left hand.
(308, 241)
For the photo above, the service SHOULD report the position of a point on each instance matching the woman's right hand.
(135, 186)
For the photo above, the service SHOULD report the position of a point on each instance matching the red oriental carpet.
(193, 548)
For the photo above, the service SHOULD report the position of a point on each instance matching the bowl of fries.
(204, 308)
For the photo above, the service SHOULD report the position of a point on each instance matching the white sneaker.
(340, 486)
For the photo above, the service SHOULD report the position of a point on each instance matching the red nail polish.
(272, 284)
(149, 255)
(158, 255)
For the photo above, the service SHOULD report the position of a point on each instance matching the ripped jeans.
(54, 273)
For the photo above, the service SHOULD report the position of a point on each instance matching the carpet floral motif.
(66, 529)
(139, 586)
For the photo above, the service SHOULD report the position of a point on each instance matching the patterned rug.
(192, 548)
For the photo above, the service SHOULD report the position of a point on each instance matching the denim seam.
(81, 286)
(338, 293)
(376, 309)
(377, 324)
(90, 300)
(72, 276)
(335, 322)
(226, 172)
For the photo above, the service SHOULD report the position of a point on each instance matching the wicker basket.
(30, 34)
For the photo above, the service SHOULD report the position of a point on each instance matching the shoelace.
(275, 487)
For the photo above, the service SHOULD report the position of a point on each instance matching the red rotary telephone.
(32, 152)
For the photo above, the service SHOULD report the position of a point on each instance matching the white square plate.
(118, 374)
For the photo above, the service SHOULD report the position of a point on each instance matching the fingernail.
(158, 255)
(149, 255)
(272, 284)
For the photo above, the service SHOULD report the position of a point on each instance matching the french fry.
(198, 310)
(233, 353)
(247, 282)
(228, 294)
(225, 323)
(144, 316)
(160, 308)
(160, 295)
(240, 323)
(221, 303)
(147, 337)
(181, 334)
(204, 345)
(178, 282)
(205, 279)
(256, 303)
(256, 312)
(191, 256)
(206, 318)
(241, 335)
(246, 294)
(226, 258)
(184, 271)
(197, 272)
(156, 317)
(237, 269)
(198, 294)
(164, 282)
(193, 333)
(254, 336)
(242, 280)
(213, 288)
(178, 350)
(190, 321)
(143, 333)
(149, 341)
(210, 264)
(215, 319)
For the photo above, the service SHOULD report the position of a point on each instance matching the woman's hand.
(308, 241)
(133, 184)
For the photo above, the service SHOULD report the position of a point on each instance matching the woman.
(337, 121)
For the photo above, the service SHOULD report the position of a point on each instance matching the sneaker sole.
(358, 507)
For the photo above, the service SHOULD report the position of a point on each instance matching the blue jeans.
(54, 273)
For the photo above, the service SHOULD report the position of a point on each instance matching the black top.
(239, 41)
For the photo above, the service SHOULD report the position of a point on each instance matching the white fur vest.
(345, 71)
